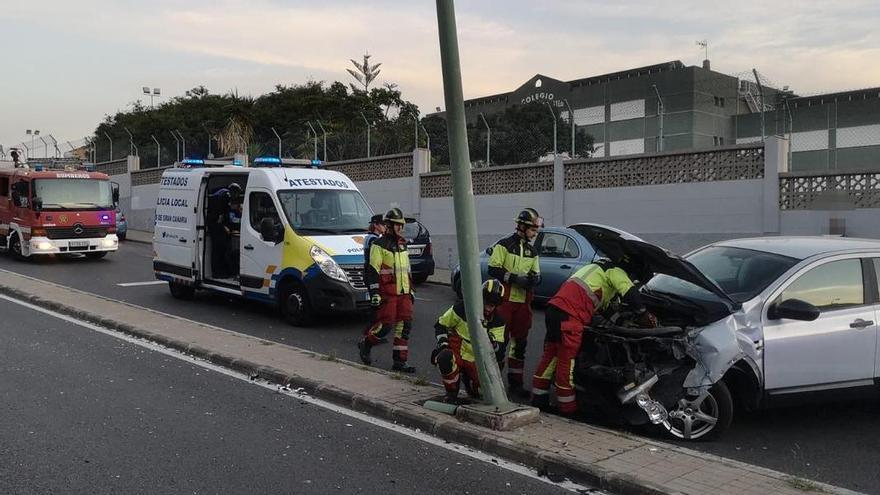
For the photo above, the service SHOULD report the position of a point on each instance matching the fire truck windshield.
(74, 194)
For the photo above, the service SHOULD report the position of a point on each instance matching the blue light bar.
(236, 163)
(91, 167)
(38, 167)
(316, 163)
(193, 161)
(267, 160)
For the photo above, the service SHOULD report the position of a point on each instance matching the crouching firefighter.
(390, 285)
(590, 289)
(514, 261)
(454, 354)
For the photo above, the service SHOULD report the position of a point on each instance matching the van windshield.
(74, 194)
(325, 211)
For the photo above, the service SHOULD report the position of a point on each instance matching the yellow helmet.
(395, 215)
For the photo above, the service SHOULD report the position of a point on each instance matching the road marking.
(415, 434)
(422, 299)
(139, 284)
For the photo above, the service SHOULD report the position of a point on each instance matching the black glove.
(513, 279)
(436, 352)
(532, 280)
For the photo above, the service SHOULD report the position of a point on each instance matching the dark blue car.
(421, 256)
(562, 251)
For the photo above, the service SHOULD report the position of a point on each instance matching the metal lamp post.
(488, 139)
(554, 127)
(111, 146)
(183, 140)
(210, 155)
(324, 134)
(132, 148)
(45, 148)
(308, 123)
(158, 150)
(177, 145)
(465, 213)
(427, 137)
(573, 130)
(279, 140)
(660, 111)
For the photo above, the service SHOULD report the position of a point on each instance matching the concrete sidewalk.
(595, 456)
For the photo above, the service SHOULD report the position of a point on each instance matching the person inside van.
(219, 209)
(233, 231)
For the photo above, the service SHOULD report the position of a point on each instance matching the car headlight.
(44, 246)
(108, 242)
(327, 264)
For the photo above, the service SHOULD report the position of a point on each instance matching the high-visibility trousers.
(561, 346)
(518, 317)
(395, 313)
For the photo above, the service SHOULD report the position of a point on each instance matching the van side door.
(262, 247)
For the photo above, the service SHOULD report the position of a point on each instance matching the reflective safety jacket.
(453, 326)
(388, 273)
(514, 256)
(591, 289)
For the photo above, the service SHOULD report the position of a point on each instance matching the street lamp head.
(28, 132)
(157, 91)
(146, 90)
(36, 133)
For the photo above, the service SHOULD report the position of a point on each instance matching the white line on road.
(138, 284)
(415, 434)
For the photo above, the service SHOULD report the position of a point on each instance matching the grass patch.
(804, 485)
(330, 356)
(421, 380)
(397, 376)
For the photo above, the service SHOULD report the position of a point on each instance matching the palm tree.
(238, 132)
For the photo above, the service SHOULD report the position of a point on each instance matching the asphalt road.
(84, 412)
(835, 443)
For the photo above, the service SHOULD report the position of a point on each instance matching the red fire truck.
(57, 208)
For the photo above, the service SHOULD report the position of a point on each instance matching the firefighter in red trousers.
(515, 263)
(454, 354)
(589, 290)
(390, 285)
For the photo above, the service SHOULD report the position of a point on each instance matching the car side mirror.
(16, 198)
(489, 251)
(37, 204)
(793, 309)
(115, 194)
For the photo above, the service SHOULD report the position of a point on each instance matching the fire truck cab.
(57, 208)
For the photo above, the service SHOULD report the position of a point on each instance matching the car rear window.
(412, 230)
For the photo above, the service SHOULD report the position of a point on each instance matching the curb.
(549, 464)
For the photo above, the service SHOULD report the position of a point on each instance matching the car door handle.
(564, 267)
(249, 247)
(182, 240)
(860, 323)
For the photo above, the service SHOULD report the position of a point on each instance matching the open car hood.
(642, 260)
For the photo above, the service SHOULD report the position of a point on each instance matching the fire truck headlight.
(44, 246)
(108, 242)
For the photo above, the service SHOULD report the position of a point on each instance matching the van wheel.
(180, 291)
(295, 306)
(701, 418)
(15, 248)
(96, 255)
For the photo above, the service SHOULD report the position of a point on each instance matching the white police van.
(298, 243)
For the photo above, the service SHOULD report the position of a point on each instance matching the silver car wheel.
(695, 418)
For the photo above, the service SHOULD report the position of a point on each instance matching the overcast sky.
(67, 64)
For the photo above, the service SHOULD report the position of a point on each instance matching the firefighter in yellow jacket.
(390, 284)
(454, 354)
(514, 261)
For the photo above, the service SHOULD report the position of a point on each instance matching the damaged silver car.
(743, 324)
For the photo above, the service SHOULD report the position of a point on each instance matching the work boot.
(402, 367)
(542, 402)
(517, 390)
(364, 351)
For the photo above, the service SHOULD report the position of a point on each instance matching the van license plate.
(79, 244)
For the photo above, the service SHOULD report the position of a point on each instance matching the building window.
(721, 100)
(721, 140)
